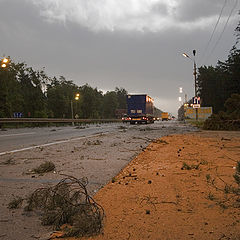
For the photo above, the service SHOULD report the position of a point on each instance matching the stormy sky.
(134, 44)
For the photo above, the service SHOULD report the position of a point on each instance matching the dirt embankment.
(166, 191)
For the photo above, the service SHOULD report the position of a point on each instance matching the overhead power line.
(215, 27)
(224, 28)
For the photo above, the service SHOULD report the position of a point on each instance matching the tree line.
(217, 84)
(34, 94)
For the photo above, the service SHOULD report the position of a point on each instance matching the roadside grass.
(15, 203)
(230, 191)
(199, 124)
(45, 167)
(9, 161)
(90, 143)
(210, 196)
(186, 166)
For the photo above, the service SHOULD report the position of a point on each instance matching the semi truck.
(165, 116)
(140, 109)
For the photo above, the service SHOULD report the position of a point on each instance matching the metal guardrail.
(55, 120)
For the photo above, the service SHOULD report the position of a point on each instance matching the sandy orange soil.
(155, 198)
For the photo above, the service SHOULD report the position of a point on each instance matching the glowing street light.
(77, 96)
(185, 55)
(4, 62)
(194, 70)
(195, 76)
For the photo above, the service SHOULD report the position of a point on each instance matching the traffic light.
(4, 62)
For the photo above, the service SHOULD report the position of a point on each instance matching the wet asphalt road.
(15, 139)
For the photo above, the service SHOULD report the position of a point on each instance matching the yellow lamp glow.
(5, 60)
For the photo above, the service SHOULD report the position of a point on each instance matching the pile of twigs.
(68, 203)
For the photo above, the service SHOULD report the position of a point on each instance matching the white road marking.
(17, 134)
(49, 144)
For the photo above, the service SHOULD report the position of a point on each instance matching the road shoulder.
(154, 197)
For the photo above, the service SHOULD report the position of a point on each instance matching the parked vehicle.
(140, 109)
(125, 118)
(165, 116)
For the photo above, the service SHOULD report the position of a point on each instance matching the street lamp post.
(195, 73)
(195, 76)
(77, 95)
(72, 112)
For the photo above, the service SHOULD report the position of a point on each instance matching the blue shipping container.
(139, 105)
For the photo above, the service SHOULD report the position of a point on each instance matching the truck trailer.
(140, 109)
(165, 116)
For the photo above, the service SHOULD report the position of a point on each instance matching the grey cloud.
(160, 8)
(130, 15)
(197, 9)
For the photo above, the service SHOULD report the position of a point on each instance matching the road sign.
(196, 106)
(203, 113)
(17, 114)
(196, 100)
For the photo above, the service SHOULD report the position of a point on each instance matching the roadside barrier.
(56, 120)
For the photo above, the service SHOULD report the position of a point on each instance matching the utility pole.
(72, 112)
(195, 76)
(195, 79)
(77, 96)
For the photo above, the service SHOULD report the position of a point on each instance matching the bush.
(40, 114)
(215, 122)
(229, 120)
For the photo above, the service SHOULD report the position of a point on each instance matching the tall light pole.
(72, 112)
(194, 74)
(77, 95)
(194, 70)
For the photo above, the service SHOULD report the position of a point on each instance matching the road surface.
(75, 152)
(22, 138)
